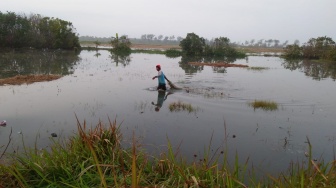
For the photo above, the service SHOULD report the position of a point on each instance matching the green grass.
(180, 106)
(264, 105)
(172, 53)
(148, 51)
(95, 158)
(257, 68)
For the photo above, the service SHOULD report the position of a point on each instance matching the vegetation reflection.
(37, 62)
(318, 70)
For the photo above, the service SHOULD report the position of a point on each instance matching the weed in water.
(264, 105)
(180, 106)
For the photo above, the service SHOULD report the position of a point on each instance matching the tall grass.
(264, 105)
(95, 158)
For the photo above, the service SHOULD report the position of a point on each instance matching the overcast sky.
(239, 20)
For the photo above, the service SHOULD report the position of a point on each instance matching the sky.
(238, 20)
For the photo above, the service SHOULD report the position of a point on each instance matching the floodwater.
(98, 86)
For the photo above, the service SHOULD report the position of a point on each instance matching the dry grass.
(28, 79)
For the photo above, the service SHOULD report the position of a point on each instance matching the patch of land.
(28, 79)
(253, 49)
(221, 64)
(246, 49)
(155, 46)
(135, 46)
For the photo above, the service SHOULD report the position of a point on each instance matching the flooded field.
(212, 109)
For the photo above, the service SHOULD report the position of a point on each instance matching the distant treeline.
(172, 40)
(143, 40)
(35, 31)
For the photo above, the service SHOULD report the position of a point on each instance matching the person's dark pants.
(162, 87)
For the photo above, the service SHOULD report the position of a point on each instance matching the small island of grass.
(28, 79)
(264, 105)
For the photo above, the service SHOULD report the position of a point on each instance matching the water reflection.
(37, 62)
(316, 70)
(97, 54)
(194, 69)
(190, 69)
(123, 58)
(162, 96)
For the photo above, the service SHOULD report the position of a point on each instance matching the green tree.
(293, 51)
(193, 44)
(319, 48)
(121, 45)
(221, 46)
(17, 31)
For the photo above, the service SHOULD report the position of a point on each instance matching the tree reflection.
(316, 70)
(123, 58)
(97, 54)
(184, 63)
(190, 69)
(37, 62)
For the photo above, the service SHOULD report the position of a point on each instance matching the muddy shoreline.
(27, 79)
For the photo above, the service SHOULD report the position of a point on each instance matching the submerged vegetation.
(265, 105)
(95, 158)
(180, 106)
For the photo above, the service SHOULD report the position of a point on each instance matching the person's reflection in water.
(161, 97)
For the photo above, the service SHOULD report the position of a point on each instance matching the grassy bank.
(95, 158)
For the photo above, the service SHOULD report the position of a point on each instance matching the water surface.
(96, 87)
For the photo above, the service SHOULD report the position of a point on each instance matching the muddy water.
(98, 86)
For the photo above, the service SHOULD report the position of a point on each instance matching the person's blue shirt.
(161, 78)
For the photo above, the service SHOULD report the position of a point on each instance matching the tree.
(252, 42)
(17, 31)
(193, 44)
(297, 42)
(150, 36)
(276, 43)
(143, 37)
(285, 43)
(319, 48)
(260, 42)
(179, 39)
(293, 51)
(97, 43)
(121, 45)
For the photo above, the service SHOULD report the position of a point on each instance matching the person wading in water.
(161, 79)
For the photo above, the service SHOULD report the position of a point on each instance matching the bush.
(293, 51)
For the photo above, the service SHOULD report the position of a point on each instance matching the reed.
(95, 158)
